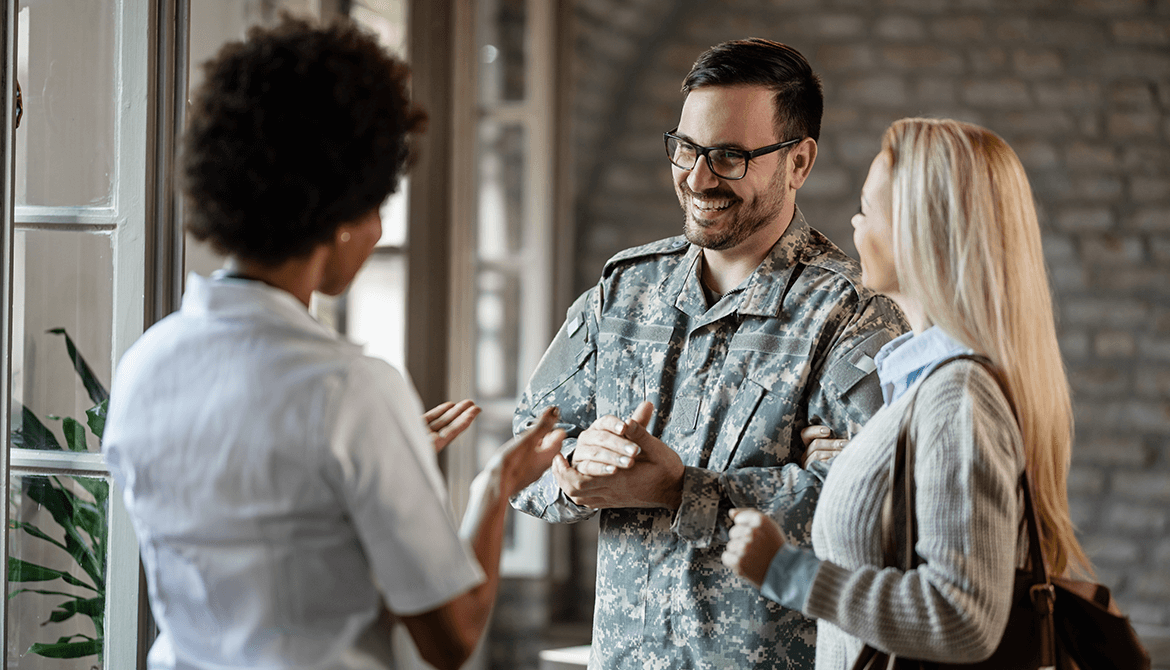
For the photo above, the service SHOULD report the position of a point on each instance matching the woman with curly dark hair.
(284, 491)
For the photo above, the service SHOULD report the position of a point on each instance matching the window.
(512, 290)
(81, 190)
(373, 310)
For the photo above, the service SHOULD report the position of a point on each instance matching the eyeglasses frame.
(704, 153)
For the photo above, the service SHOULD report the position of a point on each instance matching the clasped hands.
(619, 463)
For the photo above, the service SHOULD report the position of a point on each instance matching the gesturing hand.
(755, 539)
(448, 420)
(524, 458)
(516, 464)
(620, 464)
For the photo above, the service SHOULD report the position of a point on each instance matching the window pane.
(376, 308)
(393, 213)
(501, 190)
(497, 320)
(65, 66)
(61, 280)
(387, 18)
(57, 561)
(503, 54)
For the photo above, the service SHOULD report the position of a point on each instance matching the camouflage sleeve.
(843, 397)
(847, 391)
(787, 493)
(566, 377)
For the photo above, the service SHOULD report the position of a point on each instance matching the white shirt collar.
(225, 296)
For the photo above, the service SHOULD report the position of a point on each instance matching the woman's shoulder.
(962, 399)
(955, 382)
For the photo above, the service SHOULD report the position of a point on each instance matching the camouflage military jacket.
(732, 385)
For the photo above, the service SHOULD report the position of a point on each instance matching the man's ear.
(802, 156)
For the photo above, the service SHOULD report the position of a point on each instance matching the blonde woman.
(948, 230)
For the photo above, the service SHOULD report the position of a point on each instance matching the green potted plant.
(83, 521)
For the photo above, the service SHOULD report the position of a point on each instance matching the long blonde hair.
(967, 247)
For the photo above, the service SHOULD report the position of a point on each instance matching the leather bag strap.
(1041, 590)
(902, 472)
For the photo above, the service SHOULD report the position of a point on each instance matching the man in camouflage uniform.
(685, 377)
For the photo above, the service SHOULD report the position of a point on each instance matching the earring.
(345, 237)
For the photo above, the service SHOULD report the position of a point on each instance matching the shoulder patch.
(670, 245)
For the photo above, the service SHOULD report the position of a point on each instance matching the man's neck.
(726, 269)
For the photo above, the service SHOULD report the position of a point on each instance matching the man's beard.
(762, 211)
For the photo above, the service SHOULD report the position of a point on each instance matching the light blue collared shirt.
(904, 359)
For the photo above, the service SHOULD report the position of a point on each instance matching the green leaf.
(74, 434)
(97, 392)
(42, 592)
(96, 417)
(57, 501)
(36, 532)
(23, 571)
(91, 520)
(90, 607)
(67, 649)
(70, 579)
(33, 434)
(98, 488)
(60, 503)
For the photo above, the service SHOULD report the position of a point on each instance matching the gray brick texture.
(1080, 88)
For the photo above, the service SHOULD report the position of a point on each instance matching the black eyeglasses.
(723, 162)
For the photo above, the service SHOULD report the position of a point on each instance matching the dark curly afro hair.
(296, 130)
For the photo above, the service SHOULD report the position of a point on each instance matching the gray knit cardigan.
(954, 606)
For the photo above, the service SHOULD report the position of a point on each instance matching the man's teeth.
(711, 205)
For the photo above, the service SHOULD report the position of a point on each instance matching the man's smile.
(711, 205)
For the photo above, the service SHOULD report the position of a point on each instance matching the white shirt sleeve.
(394, 492)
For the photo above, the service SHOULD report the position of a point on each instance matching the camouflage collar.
(764, 290)
(761, 294)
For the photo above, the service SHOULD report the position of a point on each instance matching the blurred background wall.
(1080, 89)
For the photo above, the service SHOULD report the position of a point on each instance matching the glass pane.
(501, 190)
(503, 48)
(387, 18)
(490, 432)
(65, 66)
(497, 320)
(394, 212)
(57, 569)
(375, 307)
(61, 280)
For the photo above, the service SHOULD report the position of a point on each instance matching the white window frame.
(537, 265)
(141, 221)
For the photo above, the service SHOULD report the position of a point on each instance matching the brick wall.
(1081, 90)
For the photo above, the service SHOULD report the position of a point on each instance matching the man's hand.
(446, 421)
(755, 539)
(620, 464)
(819, 445)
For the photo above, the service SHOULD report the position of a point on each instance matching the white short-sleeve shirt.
(282, 484)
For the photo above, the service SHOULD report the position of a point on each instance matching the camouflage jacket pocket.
(739, 415)
(631, 355)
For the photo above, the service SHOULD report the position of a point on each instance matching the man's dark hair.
(759, 62)
(295, 131)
